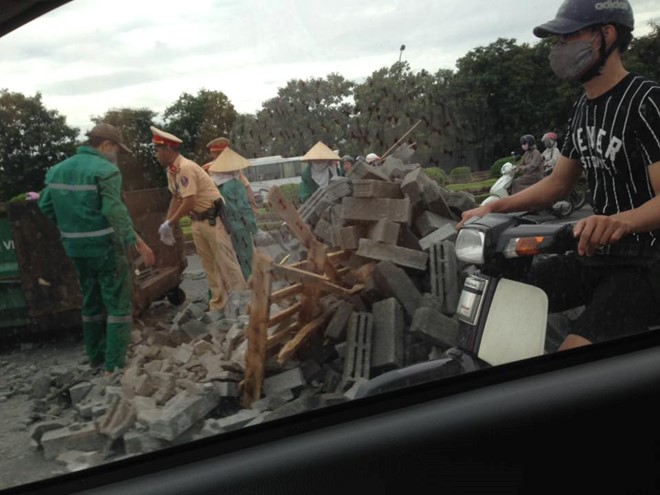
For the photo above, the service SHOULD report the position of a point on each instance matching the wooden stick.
(282, 335)
(313, 280)
(286, 292)
(283, 315)
(400, 140)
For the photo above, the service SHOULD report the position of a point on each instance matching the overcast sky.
(92, 55)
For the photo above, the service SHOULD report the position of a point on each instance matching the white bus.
(269, 171)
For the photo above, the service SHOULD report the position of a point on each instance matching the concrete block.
(147, 411)
(183, 411)
(413, 185)
(336, 329)
(394, 282)
(323, 230)
(444, 275)
(226, 389)
(429, 222)
(42, 381)
(118, 419)
(288, 380)
(376, 189)
(141, 443)
(83, 437)
(384, 231)
(76, 460)
(195, 311)
(387, 339)
(292, 408)
(372, 210)
(79, 391)
(358, 347)
(395, 169)
(38, 429)
(363, 171)
(349, 237)
(434, 200)
(237, 420)
(398, 255)
(311, 370)
(446, 233)
(461, 201)
(194, 328)
(434, 327)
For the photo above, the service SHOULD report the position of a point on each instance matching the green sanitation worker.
(83, 197)
(237, 214)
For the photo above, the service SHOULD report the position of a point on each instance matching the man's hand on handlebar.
(475, 212)
(598, 230)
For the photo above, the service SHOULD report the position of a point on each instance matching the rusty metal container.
(39, 283)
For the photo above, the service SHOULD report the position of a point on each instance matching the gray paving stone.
(434, 327)
(394, 282)
(387, 339)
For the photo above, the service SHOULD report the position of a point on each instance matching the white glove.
(167, 239)
(165, 229)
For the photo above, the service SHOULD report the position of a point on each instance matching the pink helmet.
(549, 135)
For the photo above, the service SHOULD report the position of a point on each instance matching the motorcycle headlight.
(470, 246)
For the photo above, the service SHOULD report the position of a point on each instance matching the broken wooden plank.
(308, 278)
(294, 344)
(284, 315)
(290, 215)
(282, 335)
(287, 292)
(257, 332)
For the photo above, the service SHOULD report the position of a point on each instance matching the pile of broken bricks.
(378, 291)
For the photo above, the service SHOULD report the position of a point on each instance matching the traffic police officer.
(83, 197)
(195, 194)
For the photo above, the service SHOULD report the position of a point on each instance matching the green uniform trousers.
(107, 319)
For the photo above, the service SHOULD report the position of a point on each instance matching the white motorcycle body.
(501, 188)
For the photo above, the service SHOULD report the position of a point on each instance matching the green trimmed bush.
(437, 174)
(460, 174)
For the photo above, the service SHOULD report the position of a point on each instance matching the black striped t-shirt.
(616, 137)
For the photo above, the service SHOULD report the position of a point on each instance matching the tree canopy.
(32, 139)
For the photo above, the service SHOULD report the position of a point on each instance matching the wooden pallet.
(320, 275)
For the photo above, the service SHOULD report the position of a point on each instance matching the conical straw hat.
(229, 161)
(320, 152)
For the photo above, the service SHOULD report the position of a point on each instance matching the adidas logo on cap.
(611, 4)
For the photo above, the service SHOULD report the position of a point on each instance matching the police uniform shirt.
(185, 178)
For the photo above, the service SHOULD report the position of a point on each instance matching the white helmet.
(372, 157)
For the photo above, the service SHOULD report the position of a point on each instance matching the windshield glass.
(217, 214)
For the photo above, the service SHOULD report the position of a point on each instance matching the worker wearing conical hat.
(237, 215)
(194, 194)
(319, 170)
(217, 146)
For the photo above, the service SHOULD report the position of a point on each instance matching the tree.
(513, 90)
(139, 170)
(246, 138)
(643, 56)
(304, 112)
(32, 139)
(197, 119)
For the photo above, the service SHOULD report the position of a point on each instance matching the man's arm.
(543, 194)
(180, 208)
(600, 230)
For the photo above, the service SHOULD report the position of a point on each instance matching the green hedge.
(461, 174)
(437, 174)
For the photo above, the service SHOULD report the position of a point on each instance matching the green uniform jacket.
(240, 222)
(307, 184)
(83, 197)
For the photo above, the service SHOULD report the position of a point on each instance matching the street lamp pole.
(403, 47)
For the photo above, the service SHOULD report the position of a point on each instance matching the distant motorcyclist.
(551, 153)
(531, 166)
